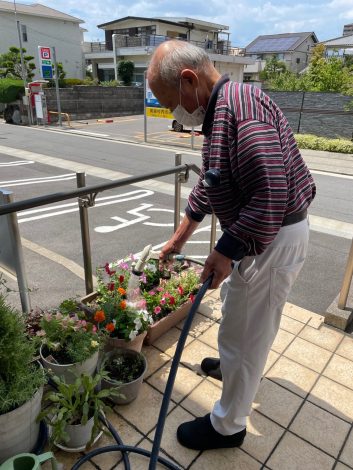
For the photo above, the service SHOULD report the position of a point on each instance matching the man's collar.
(208, 121)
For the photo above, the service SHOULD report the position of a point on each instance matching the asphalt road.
(36, 162)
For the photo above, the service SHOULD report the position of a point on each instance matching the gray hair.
(184, 55)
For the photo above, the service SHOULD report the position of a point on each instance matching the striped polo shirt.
(263, 176)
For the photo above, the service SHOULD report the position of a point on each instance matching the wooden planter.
(166, 323)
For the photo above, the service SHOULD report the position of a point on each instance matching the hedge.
(11, 90)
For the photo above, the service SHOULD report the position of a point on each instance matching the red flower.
(121, 278)
(108, 270)
(110, 327)
(171, 300)
(192, 298)
(111, 286)
(99, 316)
(180, 290)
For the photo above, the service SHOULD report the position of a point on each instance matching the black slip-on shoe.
(201, 435)
(211, 367)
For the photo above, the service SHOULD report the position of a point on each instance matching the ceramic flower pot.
(166, 323)
(135, 345)
(128, 391)
(19, 429)
(79, 434)
(70, 371)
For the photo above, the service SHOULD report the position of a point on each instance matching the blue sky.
(246, 18)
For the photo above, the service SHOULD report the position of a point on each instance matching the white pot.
(70, 371)
(18, 428)
(79, 434)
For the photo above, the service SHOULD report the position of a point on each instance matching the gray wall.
(85, 102)
(322, 114)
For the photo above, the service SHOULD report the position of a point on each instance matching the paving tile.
(276, 402)
(202, 399)
(141, 462)
(340, 369)
(282, 340)
(333, 397)
(210, 336)
(167, 342)
(195, 352)
(302, 315)
(345, 349)
(347, 454)
(143, 412)
(186, 380)
(66, 461)
(211, 306)
(126, 432)
(271, 359)
(320, 428)
(294, 453)
(308, 354)
(225, 459)
(262, 436)
(155, 359)
(340, 466)
(293, 376)
(323, 336)
(290, 325)
(200, 324)
(169, 441)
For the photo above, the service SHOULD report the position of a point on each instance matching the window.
(24, 33)
(298, 60)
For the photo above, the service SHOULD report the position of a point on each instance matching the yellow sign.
(159, 113)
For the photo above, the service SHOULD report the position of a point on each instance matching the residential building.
(135, 38)
(348, 29)
(291, 48)
(342, 46)
(43, 26)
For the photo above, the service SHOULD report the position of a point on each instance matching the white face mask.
(193, 119)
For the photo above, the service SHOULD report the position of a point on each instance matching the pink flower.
(180, 290)
(157, 310)
(141, 304)
(151, 292)
(163, 301)
(94, 329)
(159, 289)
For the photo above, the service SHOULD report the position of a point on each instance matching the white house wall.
(66, 36)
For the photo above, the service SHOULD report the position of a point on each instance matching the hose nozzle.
(139, 266)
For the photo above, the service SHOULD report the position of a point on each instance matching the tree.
(273, 68)
(10, 64)
(126, 71)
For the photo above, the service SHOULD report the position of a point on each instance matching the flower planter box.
(166, 323)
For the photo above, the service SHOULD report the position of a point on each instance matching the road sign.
(153, 106)
(45, 62)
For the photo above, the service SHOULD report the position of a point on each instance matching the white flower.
(94, 344)
(138, 323)
(132, 335)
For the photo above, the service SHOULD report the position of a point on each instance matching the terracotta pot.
(134, 345)
(71, 371)
(166, 323)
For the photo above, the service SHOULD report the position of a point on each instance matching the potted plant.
(69, 343)
(116, 309)
(73, 411)
(125, 370)
(21, 385)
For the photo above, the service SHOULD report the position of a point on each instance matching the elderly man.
(255, 181)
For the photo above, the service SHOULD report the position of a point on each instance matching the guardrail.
(86, 198)
(67, 115)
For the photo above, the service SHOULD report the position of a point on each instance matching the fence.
(86, 198)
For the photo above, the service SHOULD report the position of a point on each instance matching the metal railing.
(86, 198)
(347, 280)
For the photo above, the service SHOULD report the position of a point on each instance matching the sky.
(246, 19)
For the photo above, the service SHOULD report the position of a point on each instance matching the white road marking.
(335, 175)
(333, 227)
(37, 179)
(90, 134)
(17, 163)
(68, 178)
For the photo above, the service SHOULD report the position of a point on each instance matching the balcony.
(150, 41)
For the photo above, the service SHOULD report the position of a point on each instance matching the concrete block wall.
(88, 102)
(322, 114)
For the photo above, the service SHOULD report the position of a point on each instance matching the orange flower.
(121, 291)
(99, 316)
(110, 327)
(123, 304)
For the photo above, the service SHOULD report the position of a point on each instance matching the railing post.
(16, 257)
(86, 245)
(213, 232)
(177, 193)
(347, 279)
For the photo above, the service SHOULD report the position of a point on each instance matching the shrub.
(313, 142)
(69, 82)
(110, 83)
(11, 89)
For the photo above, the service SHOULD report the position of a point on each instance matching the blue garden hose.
(154, 453)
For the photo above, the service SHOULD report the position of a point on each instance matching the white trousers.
(253, 297)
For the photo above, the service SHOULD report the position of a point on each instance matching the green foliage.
(75, 404)
(91, 81)
(273, 68)
(126, 71)
(20, 378)
(70, 82)
(11, 89)
(313, 142)
(124, 367)
(10, 64)
(110, 83)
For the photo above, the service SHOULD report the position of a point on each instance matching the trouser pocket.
(282, 280)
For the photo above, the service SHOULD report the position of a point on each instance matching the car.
(177, 127)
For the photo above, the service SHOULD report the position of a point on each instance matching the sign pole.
(144, 107)
(57, 87)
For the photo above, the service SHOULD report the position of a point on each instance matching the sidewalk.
(302, 416)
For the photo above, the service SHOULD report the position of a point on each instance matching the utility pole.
(57, 87)
(114, 58)
(23, 68)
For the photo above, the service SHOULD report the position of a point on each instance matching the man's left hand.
(219, 265)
